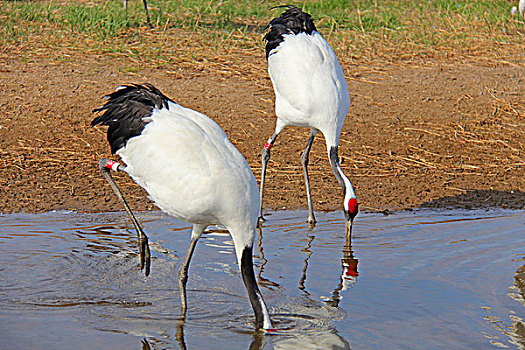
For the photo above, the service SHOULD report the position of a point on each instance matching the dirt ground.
(419, 134)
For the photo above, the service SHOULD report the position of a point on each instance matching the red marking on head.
(352, 207)
(268, 145)
(272, 330)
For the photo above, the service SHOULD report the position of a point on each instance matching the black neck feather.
(248, 277)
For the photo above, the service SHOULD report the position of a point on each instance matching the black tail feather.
(291, 21)
(125, 110)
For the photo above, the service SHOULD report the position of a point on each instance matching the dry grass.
(482, 136)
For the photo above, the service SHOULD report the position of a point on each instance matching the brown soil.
(431, 134)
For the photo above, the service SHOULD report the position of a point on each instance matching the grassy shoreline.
(187, 30)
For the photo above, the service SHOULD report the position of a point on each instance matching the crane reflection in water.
(347, 278)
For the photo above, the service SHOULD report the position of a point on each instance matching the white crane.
(310, 91)
(192, 171)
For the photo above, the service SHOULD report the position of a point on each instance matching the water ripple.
(447, 279)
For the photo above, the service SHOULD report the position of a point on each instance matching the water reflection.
(517, 329)
(105, 239)
(69, 278)
(320, 339)
(348, 275)
(262, 280)
(307, 249)
(180, 335)
(258, 341)
(329, 339)
(145, 344)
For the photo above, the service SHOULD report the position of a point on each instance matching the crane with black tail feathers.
(190, 169)
(310, 91)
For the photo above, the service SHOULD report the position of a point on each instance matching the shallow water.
(411, 280)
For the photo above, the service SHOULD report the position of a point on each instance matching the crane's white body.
(309, 84)
(190, 169)
(310, 91)
(188, 166)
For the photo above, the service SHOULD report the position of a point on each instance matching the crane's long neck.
(348, 190)
(262, 318)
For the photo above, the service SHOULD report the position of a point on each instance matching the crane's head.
(351, 209)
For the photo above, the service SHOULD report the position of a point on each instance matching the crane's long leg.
(265, 157)
(145, 257)
(304, 162)
(183, 271)
(147, 14)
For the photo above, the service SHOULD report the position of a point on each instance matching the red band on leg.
(268, 145)
(111, 164)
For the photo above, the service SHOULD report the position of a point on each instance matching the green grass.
(104, 22)
(361, 25)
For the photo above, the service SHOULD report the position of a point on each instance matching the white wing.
(188, 166)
